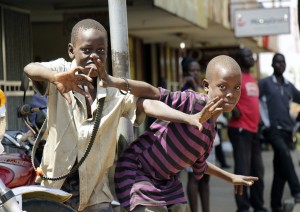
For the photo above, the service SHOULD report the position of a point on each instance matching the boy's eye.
(222, 87)
(238, 87)
(88, 51)
(85, 50)
(101, 51)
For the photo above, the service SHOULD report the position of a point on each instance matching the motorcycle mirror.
(24, 83)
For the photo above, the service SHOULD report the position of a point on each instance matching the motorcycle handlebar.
(16, 143)
(8, 200)
(26, 110)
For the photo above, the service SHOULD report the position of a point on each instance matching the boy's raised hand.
(70, 81)
(239, 181)
(210, 109)
(104, 78)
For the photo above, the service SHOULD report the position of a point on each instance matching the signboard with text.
(262, 21)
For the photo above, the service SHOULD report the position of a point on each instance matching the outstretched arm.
(137, 88)
(160, 110)
(64, 81)
(237, 180)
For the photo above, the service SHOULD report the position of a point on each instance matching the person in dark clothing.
(243, 134)
(192, 80)
(220, 155)
(276, 94)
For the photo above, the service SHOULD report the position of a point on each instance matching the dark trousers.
(283, 166)
(219, 151)
(248, 161)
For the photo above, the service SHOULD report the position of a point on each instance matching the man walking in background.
(276, 94)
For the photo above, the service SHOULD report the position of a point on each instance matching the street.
(221, 193)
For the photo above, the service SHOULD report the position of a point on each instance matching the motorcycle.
(18, 191)
(17, 179)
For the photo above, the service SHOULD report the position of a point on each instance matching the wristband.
(127, 85)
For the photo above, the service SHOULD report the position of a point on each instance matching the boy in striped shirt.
(146, 175)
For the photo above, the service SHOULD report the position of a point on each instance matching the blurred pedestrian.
(222, 123)
(192, 80)
(243, 134)
(192, 75)
(38, 101)
(276, 95)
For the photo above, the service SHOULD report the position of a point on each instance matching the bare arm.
(160, 110)
(38, 72)
(237, 180)
(137, 88)
(64, 81)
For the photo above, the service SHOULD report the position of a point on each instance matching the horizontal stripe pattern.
(147, 172)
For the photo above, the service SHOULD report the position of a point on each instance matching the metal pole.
(119, 37)
(120, 58)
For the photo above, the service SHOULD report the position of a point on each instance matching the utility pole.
(120, 58)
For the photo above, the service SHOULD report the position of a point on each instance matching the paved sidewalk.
(221, 193)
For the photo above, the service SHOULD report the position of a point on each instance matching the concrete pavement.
(221, 193)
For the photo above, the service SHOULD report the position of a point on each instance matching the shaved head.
(221, 63)
(223, 80)
(85, 24)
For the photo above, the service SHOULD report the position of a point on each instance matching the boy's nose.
(94, 56)
(229, 95)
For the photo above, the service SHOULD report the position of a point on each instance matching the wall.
(50, 41)
(16, 52)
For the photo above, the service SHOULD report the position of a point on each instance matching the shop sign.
(262, 21)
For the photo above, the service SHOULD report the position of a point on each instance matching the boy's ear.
(71, 51)
(205, 85)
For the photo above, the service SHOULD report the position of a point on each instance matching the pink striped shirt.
(147, 172)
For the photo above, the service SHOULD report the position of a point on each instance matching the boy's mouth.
(229, 103)
(90, 63)
(91, 66)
